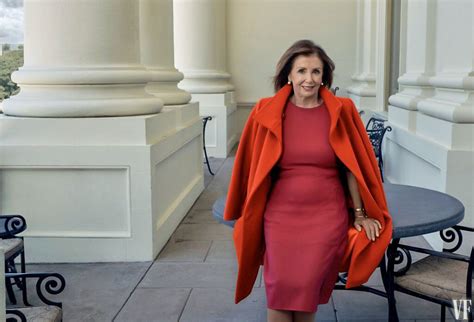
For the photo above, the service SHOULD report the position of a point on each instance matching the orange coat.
(258, 152)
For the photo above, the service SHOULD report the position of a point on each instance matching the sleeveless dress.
(306, 218)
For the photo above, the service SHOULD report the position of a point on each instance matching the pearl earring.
(322, 83)
(289, 82)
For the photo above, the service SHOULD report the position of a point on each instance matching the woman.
(305, 183)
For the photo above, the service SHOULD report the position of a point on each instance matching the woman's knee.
(304, 316)
(279, 315)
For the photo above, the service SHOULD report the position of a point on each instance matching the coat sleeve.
(237, 191)
(374, 168)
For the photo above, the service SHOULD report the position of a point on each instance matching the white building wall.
(259, 31)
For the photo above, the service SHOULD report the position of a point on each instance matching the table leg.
(383, 272)
(389, 283)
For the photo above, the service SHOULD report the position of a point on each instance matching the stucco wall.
(259, 31)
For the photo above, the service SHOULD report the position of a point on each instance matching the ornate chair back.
(376, 130)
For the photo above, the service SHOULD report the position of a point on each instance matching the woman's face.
(306, 76)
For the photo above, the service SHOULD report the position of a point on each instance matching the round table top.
(415, 211)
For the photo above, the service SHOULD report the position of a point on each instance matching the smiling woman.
(306, 77)
(293, 191)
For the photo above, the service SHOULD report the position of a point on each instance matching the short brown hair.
(306, 48)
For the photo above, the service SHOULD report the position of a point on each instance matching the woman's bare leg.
(279, 316)
(303, 316)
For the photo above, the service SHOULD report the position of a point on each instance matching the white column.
(363, 91)
(432, 116)
(200, 53)
(81, 59)
(109, 188)
(200, 45)
(418, 51)
(383, 54)
(157, 52)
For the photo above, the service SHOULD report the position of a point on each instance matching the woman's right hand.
(371, 226)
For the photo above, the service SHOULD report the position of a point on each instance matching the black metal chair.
(46, 284)
(13, 245)
(376, 130)
(204, 123)
(441, 277)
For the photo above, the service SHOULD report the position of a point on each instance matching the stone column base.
(101, 189)
(221, 134)
(363, 102)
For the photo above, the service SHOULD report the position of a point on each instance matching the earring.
(322, 83)
(289, 82)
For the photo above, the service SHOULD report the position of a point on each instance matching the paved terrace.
(193, 279)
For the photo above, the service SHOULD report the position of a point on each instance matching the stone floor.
(193, 279)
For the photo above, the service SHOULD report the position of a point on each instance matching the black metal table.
(415, 211)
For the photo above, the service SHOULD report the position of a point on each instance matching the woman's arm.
(354, 190)
(372, 226)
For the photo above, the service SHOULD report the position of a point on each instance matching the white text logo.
(464, 305)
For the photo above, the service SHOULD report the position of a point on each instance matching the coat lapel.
(334, 107)
(270, 114)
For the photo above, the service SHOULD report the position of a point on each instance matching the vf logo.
(462, 306)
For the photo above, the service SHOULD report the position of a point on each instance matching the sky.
(11, 21)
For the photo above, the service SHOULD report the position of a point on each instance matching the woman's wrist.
(359, 212)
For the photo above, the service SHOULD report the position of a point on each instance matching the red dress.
(306, 218)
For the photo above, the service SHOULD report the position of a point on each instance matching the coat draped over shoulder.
(259, 150)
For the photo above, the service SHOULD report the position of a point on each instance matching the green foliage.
(9, 62)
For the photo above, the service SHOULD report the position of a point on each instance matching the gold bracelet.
(362, 210)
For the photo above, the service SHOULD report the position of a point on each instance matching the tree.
(3, 93)
(9, 62)
(5, 47)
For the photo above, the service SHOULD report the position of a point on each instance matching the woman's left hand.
(371, 226)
